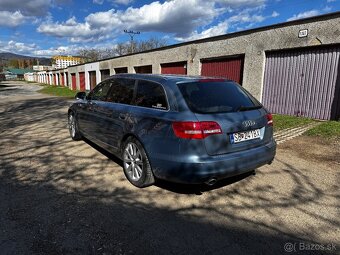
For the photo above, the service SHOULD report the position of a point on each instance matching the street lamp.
(131, 34)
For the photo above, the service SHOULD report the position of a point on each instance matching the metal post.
(131, 34)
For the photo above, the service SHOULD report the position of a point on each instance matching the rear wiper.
(248, 108)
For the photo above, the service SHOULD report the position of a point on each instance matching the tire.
(136, 165)
(73, 127)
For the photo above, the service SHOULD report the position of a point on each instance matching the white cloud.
(275, 14)
(241, 3)
(17, 47)
(123, 2)
(11, 19)
(219, 29)
(27, 7)
(327, 8)
(177, 17)
(303, 15)
(117, 2)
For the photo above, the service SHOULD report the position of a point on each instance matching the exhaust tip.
(211, 181)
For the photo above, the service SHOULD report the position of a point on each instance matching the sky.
(52, 27)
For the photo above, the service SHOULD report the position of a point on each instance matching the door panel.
(231, 68)
(302, 82)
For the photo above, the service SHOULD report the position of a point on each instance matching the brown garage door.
(303, 82)
(82, 81)
(231, 68)
(143, 69)
(93, 80)
(174, 68)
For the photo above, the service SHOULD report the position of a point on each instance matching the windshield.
(217, 97)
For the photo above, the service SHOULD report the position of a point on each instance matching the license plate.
(245, 136)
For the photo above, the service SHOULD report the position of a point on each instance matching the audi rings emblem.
(248, 123)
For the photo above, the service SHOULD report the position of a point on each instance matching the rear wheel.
(137, 168)
(73, 127)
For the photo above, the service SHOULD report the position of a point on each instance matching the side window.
(100, 92)
(151, 95)
(122, 91)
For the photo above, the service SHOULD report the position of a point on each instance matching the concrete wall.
(91, 67)
(253, 44)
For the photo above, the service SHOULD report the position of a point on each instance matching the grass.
(58, 91)
(327, 129)
(286, 121)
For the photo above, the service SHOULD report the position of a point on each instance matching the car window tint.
(215, 97)
(100, 91)
(122, 91)
(151, 95)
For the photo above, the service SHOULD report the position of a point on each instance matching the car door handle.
(122, 116)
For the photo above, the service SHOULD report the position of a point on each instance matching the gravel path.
(64, 197)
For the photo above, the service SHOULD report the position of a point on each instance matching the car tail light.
(196, 130)
(269, 119)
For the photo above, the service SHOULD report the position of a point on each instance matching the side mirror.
(80, 95)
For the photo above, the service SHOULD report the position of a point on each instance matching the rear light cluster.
(269, 119)
(196, 130)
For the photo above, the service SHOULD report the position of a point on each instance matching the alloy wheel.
(133, 161)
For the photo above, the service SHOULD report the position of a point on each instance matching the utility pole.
(131, 34)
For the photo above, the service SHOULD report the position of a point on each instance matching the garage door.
(62, 80)
(231, 68)
(93, 80)
(105, 74)
(143, 69)
(303, 82)
(174, 68)
(74, 81)
(121, 70)
(82, 81)
(66, 74)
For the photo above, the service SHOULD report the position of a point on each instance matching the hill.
(5, 57)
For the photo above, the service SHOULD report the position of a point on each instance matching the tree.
(14, 63)
(121, 49)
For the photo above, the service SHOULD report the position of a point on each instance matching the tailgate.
(240, 123)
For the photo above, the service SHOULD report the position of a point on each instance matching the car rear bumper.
(195, 170)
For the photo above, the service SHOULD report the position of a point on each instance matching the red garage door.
(82, 81)
(174, 68)
(74, 81)
(231, 68)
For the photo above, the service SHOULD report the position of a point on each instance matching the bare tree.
(121, 49)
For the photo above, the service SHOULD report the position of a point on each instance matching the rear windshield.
(217, 97)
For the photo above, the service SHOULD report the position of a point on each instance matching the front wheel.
(137, 168)
(73, 127)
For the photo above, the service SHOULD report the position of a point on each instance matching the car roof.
(175, 78)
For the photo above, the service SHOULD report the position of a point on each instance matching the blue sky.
(50, 27)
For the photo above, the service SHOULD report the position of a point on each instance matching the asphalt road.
(64, 197)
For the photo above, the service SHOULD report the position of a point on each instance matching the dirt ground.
(64, 197)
